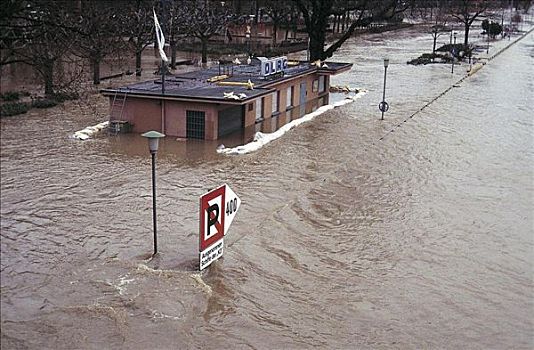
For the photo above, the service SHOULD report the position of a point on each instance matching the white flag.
(160, 38)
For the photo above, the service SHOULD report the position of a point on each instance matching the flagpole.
(163, 68)
(161, 45)
(162, 77)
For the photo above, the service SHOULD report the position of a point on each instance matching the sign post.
(217, 211)
(383, 106)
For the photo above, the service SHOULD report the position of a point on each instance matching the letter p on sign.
(212, 217)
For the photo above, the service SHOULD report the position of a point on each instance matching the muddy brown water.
(421, 240)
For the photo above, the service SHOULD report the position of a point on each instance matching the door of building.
(302, 100)
(231, 119)
(195, 124)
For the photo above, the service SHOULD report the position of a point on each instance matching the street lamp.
(453, 53)
(153, 141)
(450, 40)
(470, 62)
(488, 34)
(383, 106)
(247, 38)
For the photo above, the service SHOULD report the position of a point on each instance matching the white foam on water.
(160, 315)
(89, 131)
(123, 281)
(144, 269)
(198, 278)
(261, 139)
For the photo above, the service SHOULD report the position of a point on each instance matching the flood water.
(353, 232)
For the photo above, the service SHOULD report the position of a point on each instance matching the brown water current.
(424, 239)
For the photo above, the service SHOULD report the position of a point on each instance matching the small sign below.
(211, 254)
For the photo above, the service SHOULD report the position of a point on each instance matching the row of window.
(319, 85)
(275, 102)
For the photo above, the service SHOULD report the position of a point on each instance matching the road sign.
(232, 205)
(211, 254)
(211, 217)
(217, 211)
(383, 106)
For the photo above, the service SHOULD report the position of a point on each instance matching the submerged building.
(211, 103)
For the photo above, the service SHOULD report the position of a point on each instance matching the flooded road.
(423, 239)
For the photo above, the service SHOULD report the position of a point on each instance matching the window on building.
(276, 101)
(259, 108)
(289, 99)
(195, 124)
(250, 106)
(315, 85)
(322, 83)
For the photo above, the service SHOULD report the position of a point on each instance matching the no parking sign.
(217, 211)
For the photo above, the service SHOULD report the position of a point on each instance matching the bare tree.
(38, 34)
(439, 26)
(99, 32)
(140, 29)
(277, 11)
(316, 15)
(175, 26)
(205, 19)
(291, 20)
(466, 11)
(14, 28)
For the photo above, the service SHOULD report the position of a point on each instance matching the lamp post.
(453, 52)
(153, 141)
(488, 34)
(502, 23)
(450, 40)
(248, 34)
(383, 106)
(470, 62)
(247, 38)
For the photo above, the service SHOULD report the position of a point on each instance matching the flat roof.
(194, 86)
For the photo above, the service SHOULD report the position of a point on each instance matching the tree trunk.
(95, 63)
(466, 36)
(317, 46)
(48, 77)
(138, 63)
(174, 48)
(434, 44)
(204, 50)
(334, 25)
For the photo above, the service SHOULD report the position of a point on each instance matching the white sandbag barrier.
(89, 131)
(261, 139)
